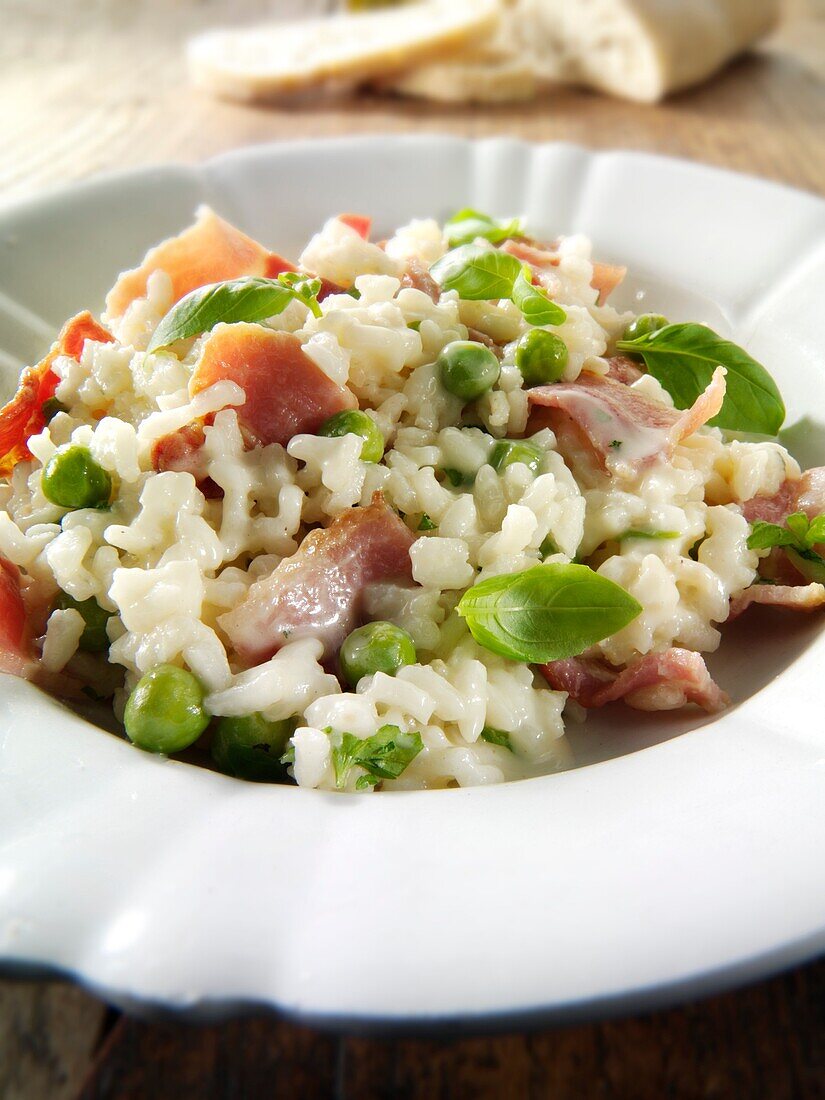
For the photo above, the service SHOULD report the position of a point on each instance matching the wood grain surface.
(95, 85)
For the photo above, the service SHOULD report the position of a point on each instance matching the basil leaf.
(798, 537)
(683, 358)
(477, 273)
(765, 535)
(468, 225)
(246, 299)
(497, 737)
(810, 564)
(385, 755)
(816, 531)
(546, 613)
(534, 302)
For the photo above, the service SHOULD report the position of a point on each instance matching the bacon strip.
(286, 392)
(803, 494)
(23, 416)
(542, 260)
(624, 430)
(800, 597)
(418, 277)
(15, 646)
(361, 223)
(623, 369)
(658, 681)
(319, 591)
(209, 251)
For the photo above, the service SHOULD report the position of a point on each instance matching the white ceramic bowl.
(645, 876)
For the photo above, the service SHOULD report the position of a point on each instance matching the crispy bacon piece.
(286, 392)
(803, 494)
(623, 430)
(319, 591)
(361, 223)
(624, 370)
(418, 277)
(542, 260)
(798, 597)
(209, 251)
(182, 452)
(606, 278)
(15, 646)
(23, 416)
(658, 681)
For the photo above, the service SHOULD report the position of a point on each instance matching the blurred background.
(92, 85)
(89, 86)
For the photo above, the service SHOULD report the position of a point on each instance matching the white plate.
(688, 866)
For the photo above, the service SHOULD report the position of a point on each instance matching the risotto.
(386, 516)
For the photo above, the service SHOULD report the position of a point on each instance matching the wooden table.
(93, 85)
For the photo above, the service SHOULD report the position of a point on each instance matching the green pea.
(72, 479)
(468, 369)
(94, 638)
(165, 712)
(354, 422)
(251, 747)
(376, 647)
(508, 451)
(541, 357)
(644, 325)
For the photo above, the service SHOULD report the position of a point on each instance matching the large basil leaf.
(683, 358)
(468, 225)
(479, 274)
(246, 299)
(534, 302)
(546, 613)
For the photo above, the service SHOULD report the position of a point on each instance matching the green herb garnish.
(468, 225)
(546, 613)
(497, 737)
(535, 303)
(246, 299)
(683, 358)
(798, 538)
(385, 755)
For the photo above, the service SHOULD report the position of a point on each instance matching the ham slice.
(418, 277)
(623, 430)
(23, 416)
(286, 392)
(15, 647)
(210, 251)
(623, 369)
(800, 597)
(361, 223)
(542, 260)
(803, 494)
(319, 591)
(658, 681)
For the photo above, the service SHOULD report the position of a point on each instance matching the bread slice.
(264, 62)
(501, 81)
(637, 49)
(490, 71)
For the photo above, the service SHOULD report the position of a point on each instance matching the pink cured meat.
(624, 430)
(319, 591)
(658, 681)
(803, 494)
(797, 597)
(15, 648)
(286, 392)
(606, 277)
